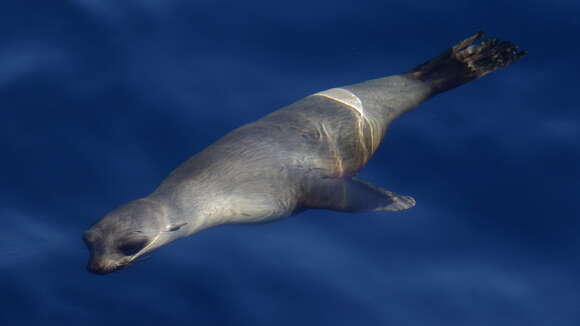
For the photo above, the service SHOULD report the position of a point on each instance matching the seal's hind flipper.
(353, 195)
(466, 61)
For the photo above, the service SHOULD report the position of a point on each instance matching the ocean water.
(101, 99)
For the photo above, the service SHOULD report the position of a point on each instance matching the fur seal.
(302, 156)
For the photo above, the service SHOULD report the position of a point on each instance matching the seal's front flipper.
(353, 195)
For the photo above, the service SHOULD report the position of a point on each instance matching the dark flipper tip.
(488, 56)
(467, 61)
(468, 41)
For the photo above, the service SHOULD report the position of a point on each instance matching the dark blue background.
(100, 99)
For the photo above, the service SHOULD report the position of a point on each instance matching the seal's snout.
(97, 270)
(123, 235)
(103, 267)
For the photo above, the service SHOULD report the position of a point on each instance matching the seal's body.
(299, 157)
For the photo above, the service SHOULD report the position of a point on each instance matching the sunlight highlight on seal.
(353, 102)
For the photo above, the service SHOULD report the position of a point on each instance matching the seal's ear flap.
(175, 227)
(353, 195)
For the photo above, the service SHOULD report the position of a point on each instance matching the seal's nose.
(96, 270)
(102, 267)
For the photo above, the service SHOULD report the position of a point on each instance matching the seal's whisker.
(143, 258)
(138, 260)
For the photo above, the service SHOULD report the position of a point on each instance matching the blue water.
(101, 99)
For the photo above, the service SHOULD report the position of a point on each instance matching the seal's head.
(126, 233)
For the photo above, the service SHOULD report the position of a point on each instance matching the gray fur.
(299, 157)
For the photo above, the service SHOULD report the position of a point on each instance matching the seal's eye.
(132, 247)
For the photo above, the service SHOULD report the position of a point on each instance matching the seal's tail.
(466, 61)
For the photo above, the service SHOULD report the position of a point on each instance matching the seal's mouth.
(106, 266)
(101, 271)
